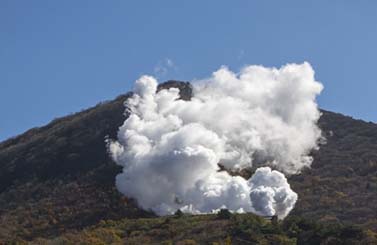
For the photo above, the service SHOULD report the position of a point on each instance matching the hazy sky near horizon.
(59, 57)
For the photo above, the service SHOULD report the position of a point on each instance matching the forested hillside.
(58, 179)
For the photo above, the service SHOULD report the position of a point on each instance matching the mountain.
(59, 179)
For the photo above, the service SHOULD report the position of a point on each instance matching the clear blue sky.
(58, 57)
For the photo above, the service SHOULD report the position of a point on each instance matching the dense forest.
(57, 186)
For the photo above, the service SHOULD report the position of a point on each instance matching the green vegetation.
(209, 229)
(341, 186)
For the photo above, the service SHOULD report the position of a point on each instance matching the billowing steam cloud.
(170, 149)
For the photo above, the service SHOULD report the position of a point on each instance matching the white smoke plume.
(170, 149)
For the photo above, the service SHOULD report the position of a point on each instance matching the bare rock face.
(185, 88)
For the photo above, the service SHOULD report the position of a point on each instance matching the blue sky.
(59, 57)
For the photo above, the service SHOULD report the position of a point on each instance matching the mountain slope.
(214, 229)
(342, 183)
(59, 177)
